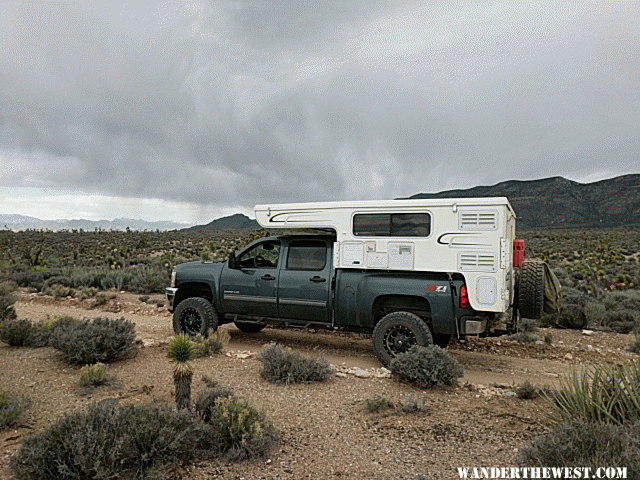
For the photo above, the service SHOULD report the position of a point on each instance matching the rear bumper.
(473, 325)
(170, 293)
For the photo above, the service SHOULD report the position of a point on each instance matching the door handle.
(318, 279)
(267, 277)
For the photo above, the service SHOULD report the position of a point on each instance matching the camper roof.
(330, 214)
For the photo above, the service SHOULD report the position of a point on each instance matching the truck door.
(305, 281)
(253, 287)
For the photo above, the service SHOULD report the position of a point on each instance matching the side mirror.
(233, 263)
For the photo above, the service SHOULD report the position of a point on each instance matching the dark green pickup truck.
(291, 281)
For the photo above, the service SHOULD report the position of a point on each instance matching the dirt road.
(326, 433)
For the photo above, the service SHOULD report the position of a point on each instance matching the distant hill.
(560, 203)
(22, 222)
(237, 223)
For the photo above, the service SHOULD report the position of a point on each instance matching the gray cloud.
(237, 103)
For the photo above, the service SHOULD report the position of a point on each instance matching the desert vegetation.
(83, 264)
(594, 411)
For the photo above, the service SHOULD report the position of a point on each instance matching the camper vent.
(478, 220)
(477, 262)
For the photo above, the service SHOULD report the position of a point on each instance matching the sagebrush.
(101, 339)
(426, 367)
(11, 409)
(283, 366)
(586, 444)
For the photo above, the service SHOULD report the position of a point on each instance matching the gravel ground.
(325, 430)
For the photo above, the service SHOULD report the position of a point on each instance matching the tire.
(531, 289)
(249, 327)
(442, 339)
(194, 316)
(397, 332)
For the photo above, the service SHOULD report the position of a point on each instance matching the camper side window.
(307, 255)
(392, 224)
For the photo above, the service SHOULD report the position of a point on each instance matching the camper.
(407, 271)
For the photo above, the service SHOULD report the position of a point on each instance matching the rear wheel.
(194, 316)
(531, 289)
(249, 327)
(397, 332)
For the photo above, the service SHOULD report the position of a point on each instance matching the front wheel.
(194, 316)
(397, 332)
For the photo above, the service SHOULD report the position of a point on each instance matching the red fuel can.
(518, 252)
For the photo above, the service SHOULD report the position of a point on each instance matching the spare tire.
(531, 289)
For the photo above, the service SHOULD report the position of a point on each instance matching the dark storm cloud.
(237, 103)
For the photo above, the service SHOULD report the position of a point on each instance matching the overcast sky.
(189, 110)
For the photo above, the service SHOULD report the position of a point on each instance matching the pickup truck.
(291, 281)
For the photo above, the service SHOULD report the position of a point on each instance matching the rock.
(539, 342)
(587, 332)
(510, 393)
(568, 356)
(589, 347)
(358, 372)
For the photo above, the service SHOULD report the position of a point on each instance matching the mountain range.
(560, 203)
(22, 222)
(546, 203)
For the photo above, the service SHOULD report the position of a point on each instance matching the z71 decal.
(437, 288)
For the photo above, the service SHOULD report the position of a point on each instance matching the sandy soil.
(325, 431)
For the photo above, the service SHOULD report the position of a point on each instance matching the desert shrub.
(143, 298)
(594, 312)
(89, 292)
(60, 291)
(212, 344)
(110, 441)
(284, 367)
(548, 338)
(11, 409)
(16, 332)
(526, 391)
(426, 367)
(208, 399)
(572, 309)
(629, 300)
(622, 321)
(604, 393)
(57, 280)
(377, 404)
(92, 376)
(635, 346)
(149, 280)
(572, 316)
(592, 445)
(411, 406)
(102, 299)
(41, 333)
(91, 341)
(7, 299)
(527, 329)
(239, 431)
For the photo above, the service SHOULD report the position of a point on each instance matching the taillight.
(464, 297)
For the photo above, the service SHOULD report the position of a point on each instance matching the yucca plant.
(605, 394)
(181, 352)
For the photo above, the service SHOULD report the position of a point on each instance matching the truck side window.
(263, 255)
(307, 255)
(392, 224)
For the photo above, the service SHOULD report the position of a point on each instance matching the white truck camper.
(474, 237)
